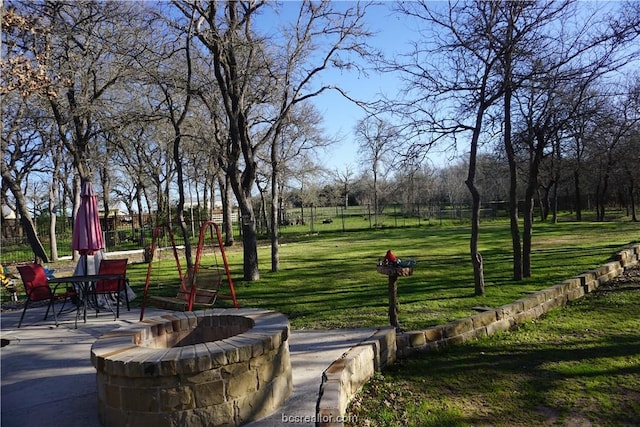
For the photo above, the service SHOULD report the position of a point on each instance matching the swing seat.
(204, 297)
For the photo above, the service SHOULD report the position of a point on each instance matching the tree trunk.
(177, 158)
(226, 194)
(527, 232)
(275, 195)
(53, 242)
(578, 195)
(632, 200)
(532, 186)
(476, 258)
(250, 243)
(249, 233)
(511, 159)
(554, 218)
(25, 218)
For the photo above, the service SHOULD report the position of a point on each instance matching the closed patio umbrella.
(87, 232)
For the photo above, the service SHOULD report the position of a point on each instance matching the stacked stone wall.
(534, 305)
(342, 380)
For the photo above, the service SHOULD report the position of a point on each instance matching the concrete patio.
(48, 380)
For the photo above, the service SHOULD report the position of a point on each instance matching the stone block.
(334, 371)
(217, 354)
(562, 288)
(434, 333)
(209, 393)
(111, 416)
(363, 368)
(331, 400)
(230, 351)
(402, 342)
(457, 327)
(498, 326)
(222, 415)
(554, 303)
(473, 334)
(509, 310)
(327, 417)
(115, 364)
(255, 343)
(176, 399)
(139, 400)
(455, 340)
(588, 280)
(528, 315)
(575, 294)
(483, 319)
(571, 284)
(281, 388)
(186, 360)
(202, 357)
(240, 384)
(112, 396)
(625, 257)
(416, 338)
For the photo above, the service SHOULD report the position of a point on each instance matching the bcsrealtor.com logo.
(313, 419)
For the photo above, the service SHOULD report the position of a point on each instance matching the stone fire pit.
(209, 368)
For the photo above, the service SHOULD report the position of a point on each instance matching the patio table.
(85, 284)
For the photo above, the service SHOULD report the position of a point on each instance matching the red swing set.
(190, 293)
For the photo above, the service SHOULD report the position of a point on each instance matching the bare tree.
(25, 83)
(377, 140)
(299, 135)
(617, 125)
(452, 85)
(250, 75)
(344, 177)
(79, 50)
(569, 65)
(22, 154)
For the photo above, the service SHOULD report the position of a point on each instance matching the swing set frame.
(191, 293)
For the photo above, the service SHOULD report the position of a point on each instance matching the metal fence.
(295, 221)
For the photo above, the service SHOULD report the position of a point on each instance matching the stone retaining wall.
(194, 368)
(503, 318)
(342, 380)
(344, 377)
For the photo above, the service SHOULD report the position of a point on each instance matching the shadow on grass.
(576, 366)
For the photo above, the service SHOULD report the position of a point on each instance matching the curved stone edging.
(222, 367)
(344, 377)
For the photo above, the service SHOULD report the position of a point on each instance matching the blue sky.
(393, 31)
(340, 115)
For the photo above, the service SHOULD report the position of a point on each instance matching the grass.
(329, 280)
(576, 366)
(571, 368)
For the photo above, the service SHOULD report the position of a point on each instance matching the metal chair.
(37, 289)
(113, 286)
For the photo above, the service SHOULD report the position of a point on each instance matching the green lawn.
(577, 366)
(329, 280)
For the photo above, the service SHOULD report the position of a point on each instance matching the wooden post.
(393, 272)
(393, 300)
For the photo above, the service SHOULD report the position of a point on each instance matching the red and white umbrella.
(87, 232)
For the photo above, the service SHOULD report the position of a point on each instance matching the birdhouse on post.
(393, 267)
